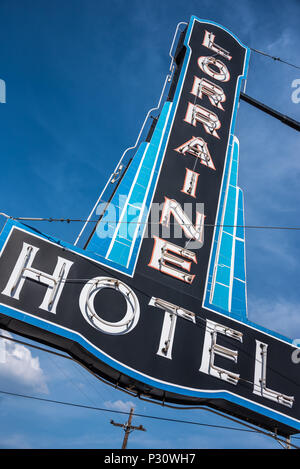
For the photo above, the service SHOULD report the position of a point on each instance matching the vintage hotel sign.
(165, 316)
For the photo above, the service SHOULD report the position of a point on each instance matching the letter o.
(86, 303)
(205, 65)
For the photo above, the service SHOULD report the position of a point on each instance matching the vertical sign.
(181, 169)
(197, 150)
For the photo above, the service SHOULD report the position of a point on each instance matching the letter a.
(198, 148)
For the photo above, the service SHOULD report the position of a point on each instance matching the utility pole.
(128, 428)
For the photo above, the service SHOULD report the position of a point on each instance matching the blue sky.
(80, 77)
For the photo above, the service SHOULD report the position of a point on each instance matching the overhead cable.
(211, 225)
(154, 417)
(277, 59)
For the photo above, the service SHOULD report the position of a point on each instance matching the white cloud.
(18, 366)
(281, 42)
(14, 441)
(278, 315)
(123, 406)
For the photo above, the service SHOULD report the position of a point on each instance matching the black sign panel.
(131, 358)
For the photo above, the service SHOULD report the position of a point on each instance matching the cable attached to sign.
(278, 59)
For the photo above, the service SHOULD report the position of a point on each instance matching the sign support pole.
(262, 107)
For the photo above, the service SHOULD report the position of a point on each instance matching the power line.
(209, 225)
(61, 355)
(72, 359)
(153, 417)
(252, 429)
(198, 316)
(103, 409)
(277, 59)
(69, 378)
